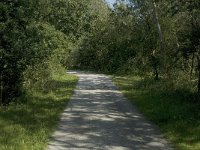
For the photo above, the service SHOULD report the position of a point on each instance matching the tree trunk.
(192, 66)
(1, 80)
(198, 86)
(155, 65)
(158, 25)
(156, 74)
(155, 16)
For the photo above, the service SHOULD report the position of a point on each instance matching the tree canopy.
(155, 37)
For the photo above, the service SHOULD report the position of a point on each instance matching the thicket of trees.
(157, 37)
(37, 37)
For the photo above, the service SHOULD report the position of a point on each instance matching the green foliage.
(146, 37)
(37, 37)
(103, 48)
(28, 125)
(169, 107)
(69, 16)
(41, 38)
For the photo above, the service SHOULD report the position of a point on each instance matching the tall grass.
(175, 111)
(28, 125)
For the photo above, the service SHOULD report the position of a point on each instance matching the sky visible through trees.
(110, 2)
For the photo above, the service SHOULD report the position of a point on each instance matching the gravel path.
(99, 117)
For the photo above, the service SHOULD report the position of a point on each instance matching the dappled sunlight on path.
(99, 117)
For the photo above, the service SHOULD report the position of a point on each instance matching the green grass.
(28, 126)
(175, 112)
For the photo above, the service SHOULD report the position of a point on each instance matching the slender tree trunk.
(155, 65)
(192, 66)
(155, 15)
(158, 25)
(156, 74)
(198, 86)
(1, 80)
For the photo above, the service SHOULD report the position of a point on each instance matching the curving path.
(99, 117)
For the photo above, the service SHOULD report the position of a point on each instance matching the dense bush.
(37, 37)
(161, 38)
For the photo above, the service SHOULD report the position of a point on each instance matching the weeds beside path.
(28, 126)
(99, 117)
(174, 112)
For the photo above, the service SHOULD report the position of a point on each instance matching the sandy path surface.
(99, 117)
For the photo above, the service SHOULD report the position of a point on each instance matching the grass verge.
(28, 126)
(173, 111)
